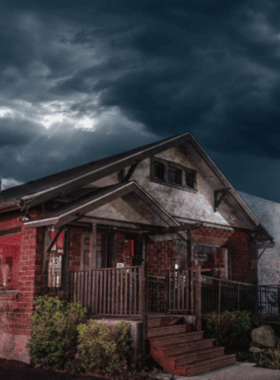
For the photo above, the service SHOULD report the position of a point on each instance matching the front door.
(134, 249)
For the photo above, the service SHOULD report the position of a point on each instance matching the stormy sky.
(81, 80)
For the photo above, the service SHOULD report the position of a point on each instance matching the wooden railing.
(156, 294)
(183, 292)
(110, 291)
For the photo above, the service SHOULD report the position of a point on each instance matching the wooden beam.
(218, 200)
(45, 253)
(174, 229)
(130, 172)
(52, 242)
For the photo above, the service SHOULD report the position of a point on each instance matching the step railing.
(183, 292)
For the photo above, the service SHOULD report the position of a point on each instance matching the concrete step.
(200, 355)
(176, 338)
(167, 330)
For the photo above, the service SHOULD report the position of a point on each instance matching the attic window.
(159, 170)
(175, 175)
(172, 174)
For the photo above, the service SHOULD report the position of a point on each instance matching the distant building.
(268, 213)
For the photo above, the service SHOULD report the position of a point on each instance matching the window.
(55, 261)
(159, 170)
(9, 261)
(175, 175)
(172, 174)
(212, 258)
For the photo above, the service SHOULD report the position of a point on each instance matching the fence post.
(167, 292)
(238, 299)
(219, 301)
(144, 304)
(197, 269)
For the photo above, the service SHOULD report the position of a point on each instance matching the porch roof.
(78, 209)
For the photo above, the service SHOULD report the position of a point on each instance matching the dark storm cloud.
(157, 67)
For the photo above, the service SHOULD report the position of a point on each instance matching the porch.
(131, 293)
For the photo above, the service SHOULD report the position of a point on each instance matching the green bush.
(104, 348)
(229, 328)
(54, 332)
(269, 358)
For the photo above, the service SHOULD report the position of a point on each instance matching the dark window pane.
(190, 179)
(159, 170)
(175, 175)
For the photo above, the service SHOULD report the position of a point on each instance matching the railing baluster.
(121, 291)
(109, 295)
(135, 311)
(105, 291)
(114, 310)
(130, 290)
(125, 291)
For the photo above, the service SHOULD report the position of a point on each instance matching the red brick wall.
(160, 256)
(238, 244)
(10, 221)
(16, 309)
(75, 248)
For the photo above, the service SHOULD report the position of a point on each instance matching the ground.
(15, 370)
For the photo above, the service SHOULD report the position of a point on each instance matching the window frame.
(64, 262)
(172, 165)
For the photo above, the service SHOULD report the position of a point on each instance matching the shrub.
(230, 328)
(269, 358)
(54, 332)
(104, 347)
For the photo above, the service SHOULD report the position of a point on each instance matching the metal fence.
(220, 295)
(268, 300)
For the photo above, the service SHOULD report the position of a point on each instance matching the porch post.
(144, 308)
(92, 250)
(197, 269)
(189, 248)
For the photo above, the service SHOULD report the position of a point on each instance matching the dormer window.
(172, 174)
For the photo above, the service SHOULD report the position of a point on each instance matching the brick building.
(165, 203)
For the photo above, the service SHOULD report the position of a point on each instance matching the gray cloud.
(138, 71)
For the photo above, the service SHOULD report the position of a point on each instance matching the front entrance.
(133, 249)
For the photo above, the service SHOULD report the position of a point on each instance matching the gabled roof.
(39, 191)
(42, 189)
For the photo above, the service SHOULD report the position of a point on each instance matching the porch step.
(195, 356)
(184, 353)
(176, 339)
(164, 321)
(209, 365)
(167, 330)
(191, 346)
